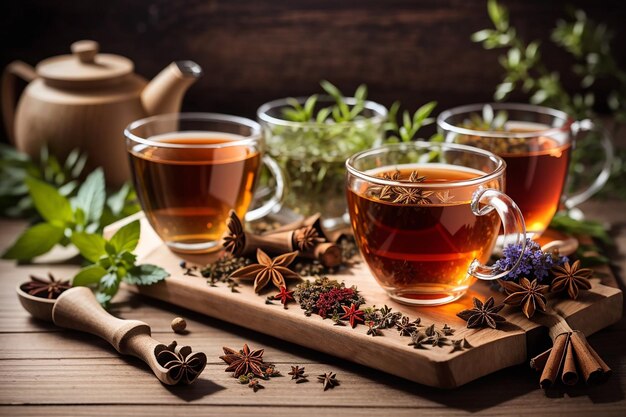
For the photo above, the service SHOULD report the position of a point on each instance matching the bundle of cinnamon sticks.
(306, 236)
(569, 359)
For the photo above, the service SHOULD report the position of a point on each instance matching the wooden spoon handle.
(78, 309)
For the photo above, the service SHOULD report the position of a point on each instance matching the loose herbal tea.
(311, 139)
(420, 243)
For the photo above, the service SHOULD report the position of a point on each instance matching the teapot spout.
(164, 93)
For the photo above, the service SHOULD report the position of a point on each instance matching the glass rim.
(499, 170)
(253, 138)
(262, 112)
(531, 108)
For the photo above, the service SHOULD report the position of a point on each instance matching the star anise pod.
(373, 329)
(406, 327)
(352, 314)
(411, 195)
(284, 296)
(529, 295)
(255, 385)
(483, 315)
(435, 337)
(329, 379)
(268, 269)
(571, 278)
(457, 345)
(390, 318)
(444, 196)
(306, 237)
(244, 361)
(45, 288)
(415, 177)
(418, 339)
(383, 192)
(234, 239)
(401, 195)
(182, 365)
(447, 330)
(297, 373)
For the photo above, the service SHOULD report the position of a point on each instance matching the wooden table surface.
(46, 371)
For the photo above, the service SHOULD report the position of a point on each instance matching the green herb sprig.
(88, 211)
(340, 112)
(406, 127)
(325, 130)
(590, 254)
(113, 261)
(16, 166)
(589, 44)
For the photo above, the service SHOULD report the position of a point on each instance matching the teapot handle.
(9, 77)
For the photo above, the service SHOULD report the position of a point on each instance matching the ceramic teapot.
(85, 100)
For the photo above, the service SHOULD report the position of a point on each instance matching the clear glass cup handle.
(484, 201)
(275, 202)
(607, 144)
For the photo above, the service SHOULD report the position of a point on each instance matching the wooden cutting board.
(438, 366)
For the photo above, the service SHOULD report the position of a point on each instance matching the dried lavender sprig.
(535, 263)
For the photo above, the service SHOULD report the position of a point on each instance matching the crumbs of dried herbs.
(311, 268)
(326, 297)
(220, 270)
(382, 318)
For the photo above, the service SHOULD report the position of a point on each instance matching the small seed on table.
(179, 325)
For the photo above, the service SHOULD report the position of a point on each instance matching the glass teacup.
(536, 143)
(426, 217)
(191, 169)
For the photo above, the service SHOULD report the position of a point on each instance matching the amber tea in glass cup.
(426, 217)
(536, 143)
(191, 169)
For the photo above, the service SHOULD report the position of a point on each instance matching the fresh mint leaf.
(50, 204)
(117, 200)
(103, 299)
(128, 259)
(35, 241)
(108, 282)
(91, 246)
(89, 275)
(145, 274)
(126, 238)
(91, 195)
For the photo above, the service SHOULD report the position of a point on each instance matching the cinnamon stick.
(239, 243)
(539, 361)
(569, 376)
(314, 221)
(329, 254)
(592, 371)
(553, 365)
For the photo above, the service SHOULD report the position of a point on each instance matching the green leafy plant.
(589, 45)
(405, 129)
(113, 261)
(590, 254)
(88, 211)
(323, 131)
(16, 167)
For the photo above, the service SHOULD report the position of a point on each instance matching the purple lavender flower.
(535, 263)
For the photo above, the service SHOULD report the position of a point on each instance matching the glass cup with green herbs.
(311, 138)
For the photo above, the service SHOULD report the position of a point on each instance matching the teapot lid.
(85, 66)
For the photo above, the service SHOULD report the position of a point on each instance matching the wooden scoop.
(78, 309)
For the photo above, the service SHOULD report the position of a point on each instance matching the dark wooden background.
(254, 51)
